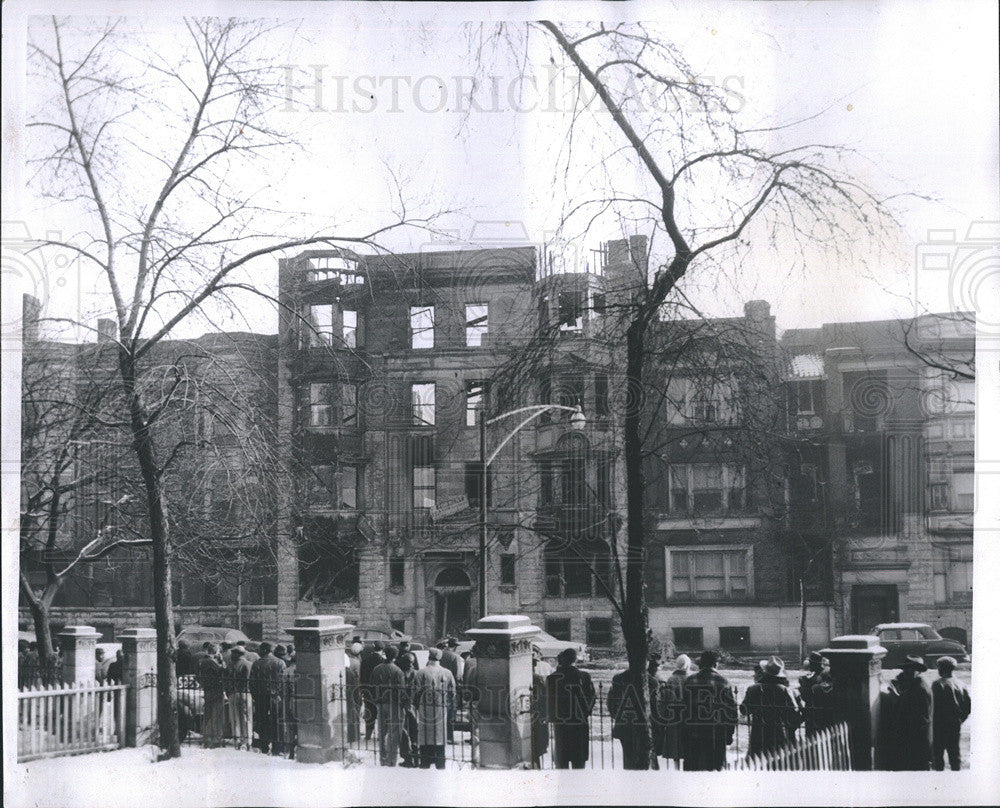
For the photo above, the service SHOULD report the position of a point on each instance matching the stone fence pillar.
(504, 678)
(856, 667)
(139, 673)
(78, 644)
(320, 696)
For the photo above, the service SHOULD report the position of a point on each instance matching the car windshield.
(545, 637)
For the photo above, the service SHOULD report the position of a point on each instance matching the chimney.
(31, 310)
(107, 330)
(757, 310)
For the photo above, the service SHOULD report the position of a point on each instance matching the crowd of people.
(413, 708)
(694, 715)
(247, 694)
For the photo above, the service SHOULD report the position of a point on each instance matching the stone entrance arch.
(452, 602)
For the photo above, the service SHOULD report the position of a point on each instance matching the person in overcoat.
(628, 723)
(571, 700)
(540, 672)
(772, 710)
(389, 689)
(952, 705)
(371, 656)
(267, 687)
(816, 694)
(408, 747)
(905, 720)
(451, 661)
(433, 692)
(709, 716)
(670, 711)
(352, 692)
(211, 678)
(240, 700)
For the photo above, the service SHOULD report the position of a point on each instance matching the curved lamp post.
(577, 421)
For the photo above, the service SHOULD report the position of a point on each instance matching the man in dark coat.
(184, 659)
(450, 661)
(540, 672)
(952, 705)
(267, 686)
(211, 678)
(770, 706)
(371, 657)
(905, 718)
(405, 650)
(816, 694)
(709, 716)
(628, 722)
(571, 699)
(389, 690)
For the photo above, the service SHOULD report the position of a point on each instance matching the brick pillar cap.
(326, 622)
(84, 632)
(509, 624)
(137, 633)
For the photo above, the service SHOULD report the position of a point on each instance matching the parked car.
(390, 636)
(549, 645)
(196, 636)
(919, 639)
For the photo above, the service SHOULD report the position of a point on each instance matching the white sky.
(911, 86)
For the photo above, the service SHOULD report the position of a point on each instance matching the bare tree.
(674, 160)
(67, 451)
(156, 150)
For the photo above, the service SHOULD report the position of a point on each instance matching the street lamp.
(577, 421)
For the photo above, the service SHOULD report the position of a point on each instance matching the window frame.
(318, 405)
(730, 474)
(476, 328)
(419, 420)
(432, 487)
(422, 332)
(725, 549)
(472, 411)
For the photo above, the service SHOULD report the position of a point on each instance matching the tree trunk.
(636, 615)
(159, 530)
(43, 632)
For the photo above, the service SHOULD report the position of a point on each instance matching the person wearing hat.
(352, 689)
(905, 730)
(816, 694)
(570, 695)
(392, 699)
(628, 720)
(450, 661)
(540, 672)
(952, 705)
(433, 694)
(772, 710)
(371, 656)
(709, 716)
(267, 689)
(670, 712)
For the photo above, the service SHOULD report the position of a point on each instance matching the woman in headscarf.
(670, 712)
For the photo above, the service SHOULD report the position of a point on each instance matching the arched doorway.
(452, 602)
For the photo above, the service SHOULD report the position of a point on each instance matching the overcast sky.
(911, 86)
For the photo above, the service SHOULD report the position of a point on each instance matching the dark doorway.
(872, 604)
(452, 602)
